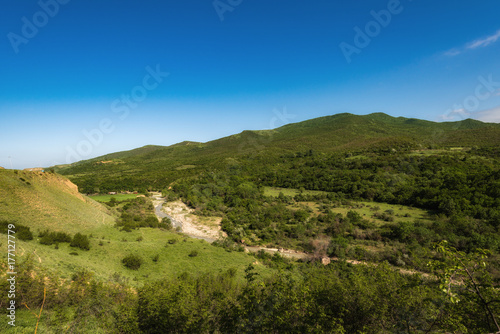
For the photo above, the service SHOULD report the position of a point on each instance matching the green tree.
(469, 287)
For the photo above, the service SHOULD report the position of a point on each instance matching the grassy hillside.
(109, 247)
(157, 166)
(46, 200)
(50, 201)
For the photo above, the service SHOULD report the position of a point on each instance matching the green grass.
(26, 323)
(45, 200)
(274, 192)
(429, 152)
(118, 197)
(364, 208)
(185, 167)
(51, 202)
(400, 212)
(105, 260)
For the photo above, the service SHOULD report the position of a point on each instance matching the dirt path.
(39, 258)
(293, 254)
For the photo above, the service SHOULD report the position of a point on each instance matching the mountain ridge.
(160, 165)
(371, 125)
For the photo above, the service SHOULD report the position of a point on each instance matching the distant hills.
(337, 133)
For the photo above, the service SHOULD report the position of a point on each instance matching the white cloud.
(489, 115)
(452, 53)
(478, 43)
(453, 115)
(484, 41)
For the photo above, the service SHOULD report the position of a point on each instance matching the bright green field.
(118, 197)
(273, 191)
(364, 208)
(401, 212)
(109, 246)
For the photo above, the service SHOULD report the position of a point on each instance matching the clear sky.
(82, 78)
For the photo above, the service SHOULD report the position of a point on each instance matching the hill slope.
(49, 201)
(156, 166)
(46, 200)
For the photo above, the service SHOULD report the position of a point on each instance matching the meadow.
(117, 197)
(109, 246)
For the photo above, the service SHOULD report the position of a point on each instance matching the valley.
(367, 221)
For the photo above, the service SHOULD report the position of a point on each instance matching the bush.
(80, 241)
(47, 239)
(193, 254)
(151, 221)
(22, 232)
(166, 223)
(132, 261)
(61, 237)
(50, 238)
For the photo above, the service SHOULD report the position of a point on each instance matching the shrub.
(151, 221)
(112, 202)
(166, 223)
(47, 239)
(193, 254)
(61, 237)
(41, 234)
(80, 241)
(22, 232)
(50, 238)
(156, 258)
(132, 261)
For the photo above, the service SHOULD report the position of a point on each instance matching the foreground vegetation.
(338, 298)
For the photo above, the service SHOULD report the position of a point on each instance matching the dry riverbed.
(207, 228)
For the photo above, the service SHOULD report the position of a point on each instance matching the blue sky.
(79, 79)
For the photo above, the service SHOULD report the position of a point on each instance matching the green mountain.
(157, 166)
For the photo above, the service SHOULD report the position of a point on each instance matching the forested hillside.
(156, 166)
